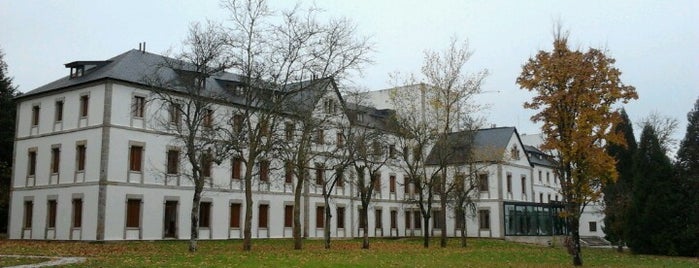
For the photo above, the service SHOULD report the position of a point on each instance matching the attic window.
(77, 71)
(329, 106)
(515, 153)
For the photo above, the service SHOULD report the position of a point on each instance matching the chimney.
(139, 46)
(144, 47)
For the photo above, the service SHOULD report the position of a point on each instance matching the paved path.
(55, 261)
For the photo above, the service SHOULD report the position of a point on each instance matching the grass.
(344, 253)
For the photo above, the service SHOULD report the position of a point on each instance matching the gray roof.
(488, 143)
(148, 69)
(538, 157)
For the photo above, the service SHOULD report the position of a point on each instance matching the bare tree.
(276, 53)
(665, 127)
(182, 92)
(426, 113)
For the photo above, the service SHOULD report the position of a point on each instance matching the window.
(35, 115)
(206, 163)
(340, 177)
(376, 148)
(135, 158)
(236, 168)
(549, 198)
(51, 210)
(394, 215)
(417, 153)
(320, 136)
(175, 111)
(77, 212)
(173, 161)
(208, 120)
(55, 159)
(509, 183)
(392, 151)
(407, 219)
(84, 101)
(138, 106)
(418, 219)
(133, 213)
(205, 214)
(262, 219)
(288, 216)
(460, 182)
(540, 177)
(593, 226)
(235, 215)
(339, 140)
(437, 220)
(340, 217)
(541, 198)
(378, 218)
(288, 172)
(77, 71)
(362, 219)
(289, 131)
(264, 127)
(320, 217)
(484, 219)
(376, 178)
(406, 183)
(459, 221)
(548, 180)
(392, 184)
(329, 106)
(59, 111)
(80, 151)
(514, 152)
(238, 121)
(320, 175)
(32, 163)
(28, 213)
(437, 184)
(524, 185)
(264, 171)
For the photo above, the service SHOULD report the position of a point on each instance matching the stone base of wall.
(539, 240)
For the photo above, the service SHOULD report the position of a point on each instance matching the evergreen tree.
(687, 167)
(7, 134)
(654, 214)
(617, 195)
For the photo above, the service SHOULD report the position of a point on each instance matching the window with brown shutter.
(138, 105)
(35, 115)
(28, 213)
(484, 219)
(32, 163)
(340, 140)
(238, 122)
(392, 183)
(509, 183)
(376, 178)
(459, 218)
(378, 218)
(524, 185)
(320, 175)
(84, 102)
(262, 219)
(51, 214)
(59, 111)
(394, 215)
(289, 131)
(288, 172)
(133, 213)
(437, 222)
(418, 219)
(264, 171)
(236, 168)
(206, 163)
(205, 214)
(77, 212)
(483, 182)
(361, 219)
(288, 216)
(407, 219)
(235, 215)
(320, 217)
(208, 120)
(173, 161)
(340, 217)
(55, 159)
(175, 112)
(340, 177)
(80, 155)
(135, 158)
(406, 183)
(320, 136)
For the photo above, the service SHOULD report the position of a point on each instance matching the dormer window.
(77, 71)
(514, 153)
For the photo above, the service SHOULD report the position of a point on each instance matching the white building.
(91, 163)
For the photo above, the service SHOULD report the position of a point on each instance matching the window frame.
(172, 165)
(205, 214)
(51, 213)
(484, 219)
(234, 210)
(134, 209)
(263, 216)
(59, 105)
(36, 115)
(340, 217)
(77, 207)
(84, 105)
(288, 216)
(80, 156)
(55, 167)
(138, 106)
(320, 216)
(136, 152)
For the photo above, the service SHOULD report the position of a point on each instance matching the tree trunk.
(364, 218)
(194, 216)
(620, 246)
(577, 256)
(298, 190)
(326, 229)
(463, 232)
(443, 217)
(247, 232)
(426, 233)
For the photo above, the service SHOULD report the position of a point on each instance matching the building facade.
(92, 162)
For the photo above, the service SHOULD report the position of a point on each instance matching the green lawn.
(345, 253)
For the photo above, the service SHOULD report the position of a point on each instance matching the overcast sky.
(655, 43)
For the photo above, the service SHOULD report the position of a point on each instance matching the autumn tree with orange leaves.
(576, 96)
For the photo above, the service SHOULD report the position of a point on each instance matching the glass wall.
(530, 219)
